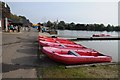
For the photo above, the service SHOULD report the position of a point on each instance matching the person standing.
(18, 28)
(39, 27)
(43, 29)
(29, 28)
(15, 28)
(11, 28)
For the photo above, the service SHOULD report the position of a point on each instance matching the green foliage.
(88, 27)
(14, 18)
(70, 26)
(4, 10)
(49, 24)
(61, 25)
(19, 19)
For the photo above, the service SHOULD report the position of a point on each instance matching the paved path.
(19, 55)
(0, 55)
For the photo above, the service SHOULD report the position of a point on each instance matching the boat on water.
(74, 56)
(100, 35)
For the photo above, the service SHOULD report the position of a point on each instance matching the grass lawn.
(106, 71)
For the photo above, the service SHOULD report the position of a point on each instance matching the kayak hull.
(100, 35)
(52, 44)
(62, 56)
(55, 40)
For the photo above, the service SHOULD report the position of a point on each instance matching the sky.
(77, 12)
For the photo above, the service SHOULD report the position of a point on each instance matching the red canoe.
(49, 39)
(58, 41)
(55, 40)
(100, 35)
(54, 44)
(68, 56)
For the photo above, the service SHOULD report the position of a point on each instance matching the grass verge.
(106, 71)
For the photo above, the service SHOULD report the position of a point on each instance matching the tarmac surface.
(22, 56)
(0, 54)
(19, 51)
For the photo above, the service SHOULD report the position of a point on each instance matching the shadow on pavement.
(26, 61)
(32, 45)
(45, 61)
(32, 61)
(28, 51)
(12, 67)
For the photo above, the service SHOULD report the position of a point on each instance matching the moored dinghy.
(56, 44)
(55, 40)
(100, 35)
(68, 56)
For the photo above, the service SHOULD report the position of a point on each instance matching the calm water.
(107, 47)
(74, 33)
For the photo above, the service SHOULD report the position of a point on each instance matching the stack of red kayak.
(68, 52)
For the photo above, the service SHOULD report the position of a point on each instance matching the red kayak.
(58, 41)
(49, 39)
(100, 35)
(54, 44)
(68, 56)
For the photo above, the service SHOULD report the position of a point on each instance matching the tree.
(90, 27)
(49, 24)
(61, 25)
(70, 26)
(14, 18)
(101, 27)
(109, 28)
(24, 20)
(4, 10)
(117, 28)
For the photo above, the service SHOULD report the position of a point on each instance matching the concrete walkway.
(19, 53)
(0, 55)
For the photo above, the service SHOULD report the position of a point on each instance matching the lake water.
(107, 47)
(78, 34)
